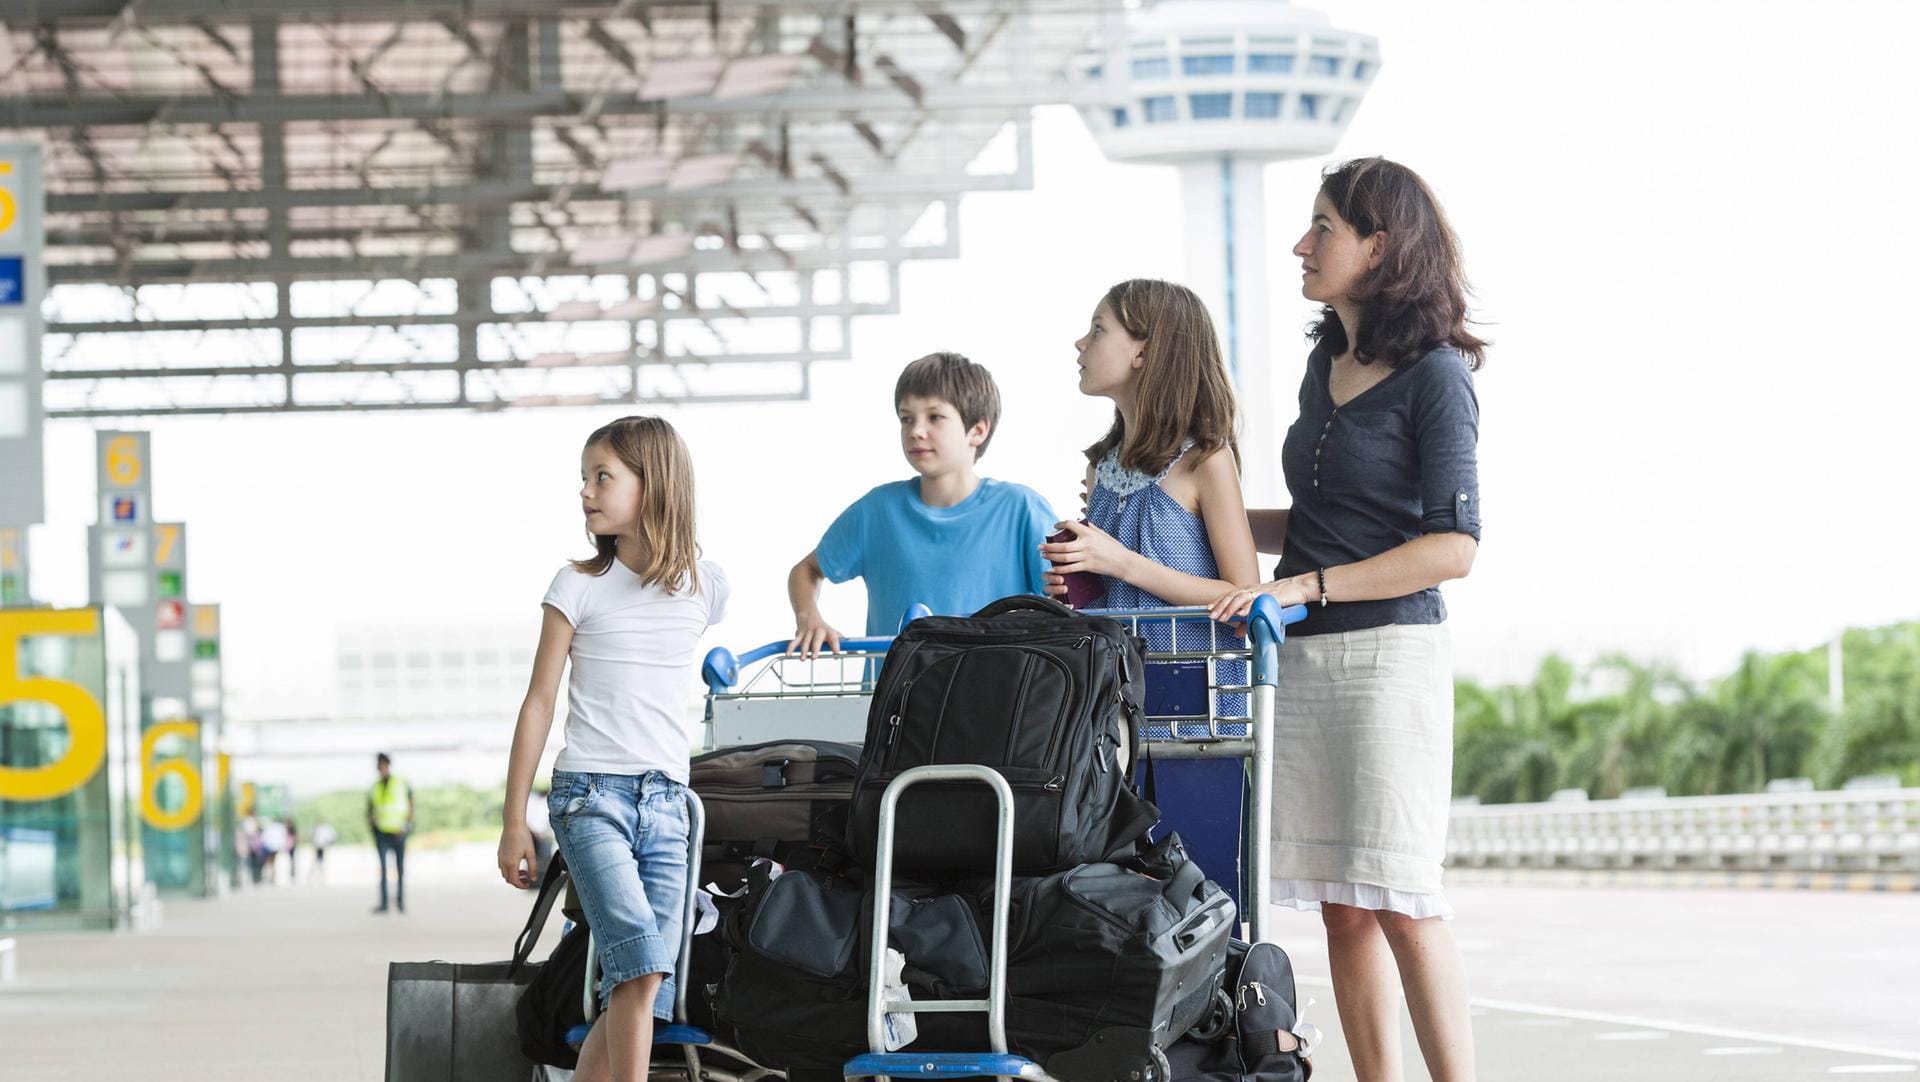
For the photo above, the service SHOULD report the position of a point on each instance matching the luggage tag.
(901, 1029)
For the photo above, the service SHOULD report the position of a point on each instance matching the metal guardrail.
(1837, 830)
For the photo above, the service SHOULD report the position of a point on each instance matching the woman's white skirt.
(1363, 769)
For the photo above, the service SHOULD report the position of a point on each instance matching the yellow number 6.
(157, 817)
(8, 208)
(86, 722)
(123, 460)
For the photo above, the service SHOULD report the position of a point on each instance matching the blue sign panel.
(13, 280)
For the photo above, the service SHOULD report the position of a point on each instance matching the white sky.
(1691, 227)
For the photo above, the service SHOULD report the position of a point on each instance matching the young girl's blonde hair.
(655, 453)
(1184, 392)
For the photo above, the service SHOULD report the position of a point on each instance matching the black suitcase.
(1044, 695)
(1110, 964)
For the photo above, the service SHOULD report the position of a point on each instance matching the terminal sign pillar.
(139, 567)
(22, 284)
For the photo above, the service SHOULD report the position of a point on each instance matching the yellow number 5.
(157, 817)
(86, 722)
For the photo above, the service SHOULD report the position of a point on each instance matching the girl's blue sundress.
(1138, 513)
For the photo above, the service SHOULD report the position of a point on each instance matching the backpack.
(1047, 697)
(1255, 1032)
(551, 1004)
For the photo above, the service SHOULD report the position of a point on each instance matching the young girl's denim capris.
(625, 840)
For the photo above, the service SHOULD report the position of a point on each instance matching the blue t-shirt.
(951, 559)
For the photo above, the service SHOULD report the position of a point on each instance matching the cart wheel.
(1162, 1070)
(1219, 1018)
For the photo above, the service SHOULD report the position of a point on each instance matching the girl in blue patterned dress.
(1165, 522)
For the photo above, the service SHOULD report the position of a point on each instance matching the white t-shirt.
(632, 661)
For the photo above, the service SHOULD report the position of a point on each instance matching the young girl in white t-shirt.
(629, 620)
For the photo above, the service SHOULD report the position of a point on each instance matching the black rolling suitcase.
(1110, 964)
(1047, 697)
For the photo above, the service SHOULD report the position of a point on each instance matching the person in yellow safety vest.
(390, 817)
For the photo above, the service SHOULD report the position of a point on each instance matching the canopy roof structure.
(271, 205)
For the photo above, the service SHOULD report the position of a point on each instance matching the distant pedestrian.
(273, 842)
(390, 817)
(293, 851)
(249, 845)
(323, 838)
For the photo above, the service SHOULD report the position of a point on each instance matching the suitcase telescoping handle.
(1025, 603)
(995, 1003)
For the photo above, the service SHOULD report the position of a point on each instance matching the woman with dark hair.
(1381, 466)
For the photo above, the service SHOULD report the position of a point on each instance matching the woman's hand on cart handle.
(810, 635)
(1239, 602)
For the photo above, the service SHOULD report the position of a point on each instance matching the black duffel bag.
(1107, 965)
(784, 800)
(795, 992)
(1047, 697)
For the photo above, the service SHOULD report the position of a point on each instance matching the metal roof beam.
(664, 315)
(476, 405)
(859, 188)
(471, 263)
(152, 12)
(129, 110)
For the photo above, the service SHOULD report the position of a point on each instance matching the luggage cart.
(1206, 740)
(1189, 735)
(677, 1036)
(789, 697)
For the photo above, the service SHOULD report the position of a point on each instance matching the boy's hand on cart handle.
(1092, 549)
(516, 847)
(810, 635)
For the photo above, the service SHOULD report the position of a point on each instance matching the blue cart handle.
(721, 669)
(1269, 624)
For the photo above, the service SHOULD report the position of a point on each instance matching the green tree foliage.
(441, 808)
(1623, 723)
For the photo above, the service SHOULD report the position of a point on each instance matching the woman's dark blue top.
(1396, 462)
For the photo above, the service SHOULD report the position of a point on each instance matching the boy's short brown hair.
(967, 386)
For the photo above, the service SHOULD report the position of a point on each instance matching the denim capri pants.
(625, 840)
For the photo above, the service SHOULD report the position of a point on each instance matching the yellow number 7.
(165, 537)
(86, 722)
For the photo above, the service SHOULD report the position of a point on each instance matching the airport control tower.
(1219, 88)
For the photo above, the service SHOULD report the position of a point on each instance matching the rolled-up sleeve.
(1446, 423)
(842, 551)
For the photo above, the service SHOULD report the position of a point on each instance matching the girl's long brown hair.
(1183, 392)
(655, 453)
(1416, 299)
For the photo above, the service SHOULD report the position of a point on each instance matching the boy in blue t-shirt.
(948, 539)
